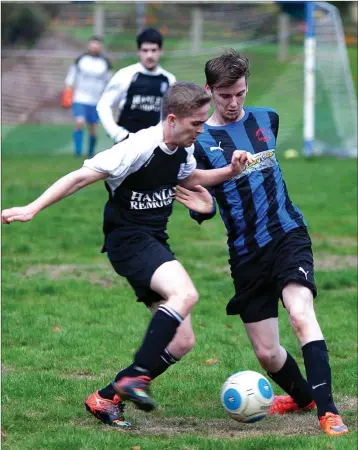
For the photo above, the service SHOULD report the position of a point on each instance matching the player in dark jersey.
(269, 246)
(138, 90)
(141, 174)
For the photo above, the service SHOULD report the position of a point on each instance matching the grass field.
(69, 323)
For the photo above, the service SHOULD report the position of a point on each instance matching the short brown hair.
(226, 69)
(182, 98)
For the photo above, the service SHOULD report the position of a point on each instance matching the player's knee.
(79, 124)
(190, 297)
(267, 357)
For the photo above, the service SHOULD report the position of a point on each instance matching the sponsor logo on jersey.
(262, 161)
(157, 199)
(146, 103)
(263, 135)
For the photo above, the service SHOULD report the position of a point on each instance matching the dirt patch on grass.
(328, 262)
(325, 262)
(303, 424)
(101, 274)
(6, 370)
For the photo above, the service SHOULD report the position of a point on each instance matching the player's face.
(149, 55)
(229, 100)
(187, 129)
(94, 47)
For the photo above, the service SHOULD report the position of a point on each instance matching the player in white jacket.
(137, 89)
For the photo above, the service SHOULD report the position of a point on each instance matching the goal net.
(334, 127)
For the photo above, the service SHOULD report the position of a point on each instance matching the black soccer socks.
(161, 331)
(318, 370)
(290, 379)
(152, 358)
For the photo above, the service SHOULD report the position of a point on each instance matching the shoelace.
(334, 421)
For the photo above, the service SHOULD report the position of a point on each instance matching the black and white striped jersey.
(89, 76)
(138, 92)
(143, 175)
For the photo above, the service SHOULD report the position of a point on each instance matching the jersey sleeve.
(203, 163)
(274, 121)
(275, 125)
(71, 75)
(189, 166)
(116, 161)
(171, 79)
(114, 92)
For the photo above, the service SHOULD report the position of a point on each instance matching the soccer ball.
(247, 396)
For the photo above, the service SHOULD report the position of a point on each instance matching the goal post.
(309, 80)
(330, 102)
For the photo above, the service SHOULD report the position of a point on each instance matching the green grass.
(66, 333)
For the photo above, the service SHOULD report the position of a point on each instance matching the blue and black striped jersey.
(255, 205)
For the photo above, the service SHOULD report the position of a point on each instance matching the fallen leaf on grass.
(201, 325)
(211, 361)
(56, 329)
(229, 326)
(136, 447)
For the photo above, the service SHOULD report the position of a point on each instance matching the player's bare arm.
(198, 199)
(65, 186)
(216, 176)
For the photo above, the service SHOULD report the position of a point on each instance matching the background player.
(141, 174)
(87, 77)
(270, 249)
(138, 90)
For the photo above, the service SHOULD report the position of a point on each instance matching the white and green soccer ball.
(247, 396)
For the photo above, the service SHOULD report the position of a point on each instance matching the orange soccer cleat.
(332, 424)
(107, 411)
(135, 389)
(283, 404)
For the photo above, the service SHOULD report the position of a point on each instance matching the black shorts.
(261, 277)
(136, 255)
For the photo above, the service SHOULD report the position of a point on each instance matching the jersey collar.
(157, 70)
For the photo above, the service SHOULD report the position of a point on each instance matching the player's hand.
(17, 214)
(198, 200)
(239, 160)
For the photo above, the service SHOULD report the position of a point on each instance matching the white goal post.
(330, 102)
